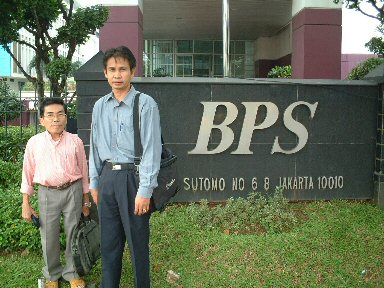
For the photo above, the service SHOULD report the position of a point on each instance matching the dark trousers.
(118, 223)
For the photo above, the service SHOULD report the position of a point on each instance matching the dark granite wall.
(337, 161)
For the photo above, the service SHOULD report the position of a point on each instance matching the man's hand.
(26, 209)
(86, 200)
(141, 205)
(86, 211)
(95, 195)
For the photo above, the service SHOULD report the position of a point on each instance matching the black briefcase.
(85, 245)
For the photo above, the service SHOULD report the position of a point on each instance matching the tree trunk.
(56, 91)
(39, 78)
(40, 90)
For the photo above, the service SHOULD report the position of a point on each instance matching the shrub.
(280, 72)
(256, 214)
(160, 72)
(362, 69)
(15, 233)
(13, 140)
(10, 174)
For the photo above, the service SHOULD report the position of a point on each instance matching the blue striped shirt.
(112, 138)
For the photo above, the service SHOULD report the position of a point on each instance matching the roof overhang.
(202, 19)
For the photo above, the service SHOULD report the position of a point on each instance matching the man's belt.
(60, 187)
(120, 166)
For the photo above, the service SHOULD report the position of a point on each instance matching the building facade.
(184, 38)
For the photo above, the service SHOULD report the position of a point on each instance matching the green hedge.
(15, 233)
(13, 140)
(10, 173)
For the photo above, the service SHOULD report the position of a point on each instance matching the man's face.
(54, 119)
(119, 73)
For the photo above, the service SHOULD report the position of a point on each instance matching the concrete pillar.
(316, 40)
(226, 37)
(124, 27)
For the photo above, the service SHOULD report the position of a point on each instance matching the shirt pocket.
(126, 123)
(70, 160)
(125, 133)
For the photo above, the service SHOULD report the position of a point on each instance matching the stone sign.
(315, 138)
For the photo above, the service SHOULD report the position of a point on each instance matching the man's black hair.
(121, 51)
(49, 101)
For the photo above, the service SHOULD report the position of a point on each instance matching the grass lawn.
(334, 244)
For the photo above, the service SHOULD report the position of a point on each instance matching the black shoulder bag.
(85, 245)
(167, 180)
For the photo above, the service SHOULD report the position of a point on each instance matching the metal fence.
(18, 122)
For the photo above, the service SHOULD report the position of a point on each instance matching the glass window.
(183, 65)
(203, 46)
(162, 65)
(162, 46)
(184, 59)
(184, 46)
(232, 47)
(200, 58)
(218, 66)
(202, 65)
(218, 47)
(240, 47)
(237, 66)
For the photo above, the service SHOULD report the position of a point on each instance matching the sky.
(357, 29)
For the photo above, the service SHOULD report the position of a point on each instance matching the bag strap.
(136, 130)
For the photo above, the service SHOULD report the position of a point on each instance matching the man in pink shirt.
(55, 159)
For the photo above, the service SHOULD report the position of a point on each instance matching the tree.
(376, 44)
(37, 17)
(10, 104)
(362, 69)
(357, 5)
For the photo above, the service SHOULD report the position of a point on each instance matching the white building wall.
(23, 53)
(275, 47)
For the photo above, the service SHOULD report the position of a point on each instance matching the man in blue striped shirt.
(123, 207)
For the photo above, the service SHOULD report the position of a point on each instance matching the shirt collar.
(49, 136)
(128, 100)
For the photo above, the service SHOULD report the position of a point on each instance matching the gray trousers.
(118, 223)
(52, 204)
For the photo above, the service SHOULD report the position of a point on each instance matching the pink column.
(316, 44)
(124, 27)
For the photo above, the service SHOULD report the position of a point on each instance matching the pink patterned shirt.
(54, 163)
